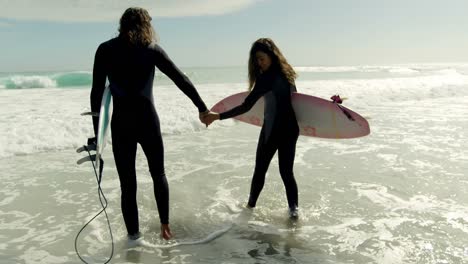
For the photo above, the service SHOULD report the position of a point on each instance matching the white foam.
(396, 69)
(10, 196)
(403, 70)
(35, 81)
(49, 119)
(364, 68)
(38, 120)
(425, 166)
(380, 195)
(330, 69)
(448, 71)
(38, 256)
(174, 243)
(375, 91)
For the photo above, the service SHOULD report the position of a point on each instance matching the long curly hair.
(278, 61)
(135, 27)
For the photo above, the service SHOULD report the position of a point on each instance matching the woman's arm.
(257, 92)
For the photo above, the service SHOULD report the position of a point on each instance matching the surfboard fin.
(87, 158)
(86, 148)
(96, 114)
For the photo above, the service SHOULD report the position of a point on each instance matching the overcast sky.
(63, 34)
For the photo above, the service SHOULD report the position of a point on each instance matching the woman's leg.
(265, 152)
(286, 155)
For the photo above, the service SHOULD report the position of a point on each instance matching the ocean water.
(398, 195)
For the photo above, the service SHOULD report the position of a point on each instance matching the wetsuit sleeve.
(99, 84)
(165, 64)
(257, 92)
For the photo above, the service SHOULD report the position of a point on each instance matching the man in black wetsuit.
(128, 62)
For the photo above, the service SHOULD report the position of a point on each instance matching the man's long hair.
(135, 27)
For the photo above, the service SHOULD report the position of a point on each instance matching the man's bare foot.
(166, 231)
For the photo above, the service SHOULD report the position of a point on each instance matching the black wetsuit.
(279, 132)
(130, 71)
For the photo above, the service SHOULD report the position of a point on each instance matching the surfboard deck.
(316, 117)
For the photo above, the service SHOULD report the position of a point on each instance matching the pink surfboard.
(316, 117)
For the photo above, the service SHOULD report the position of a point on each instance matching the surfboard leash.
(102, 198)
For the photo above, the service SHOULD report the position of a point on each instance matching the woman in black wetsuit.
(128, 62)
(272, 77)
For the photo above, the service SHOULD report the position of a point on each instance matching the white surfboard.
(105, 114)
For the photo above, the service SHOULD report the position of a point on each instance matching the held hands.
(208, 117)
